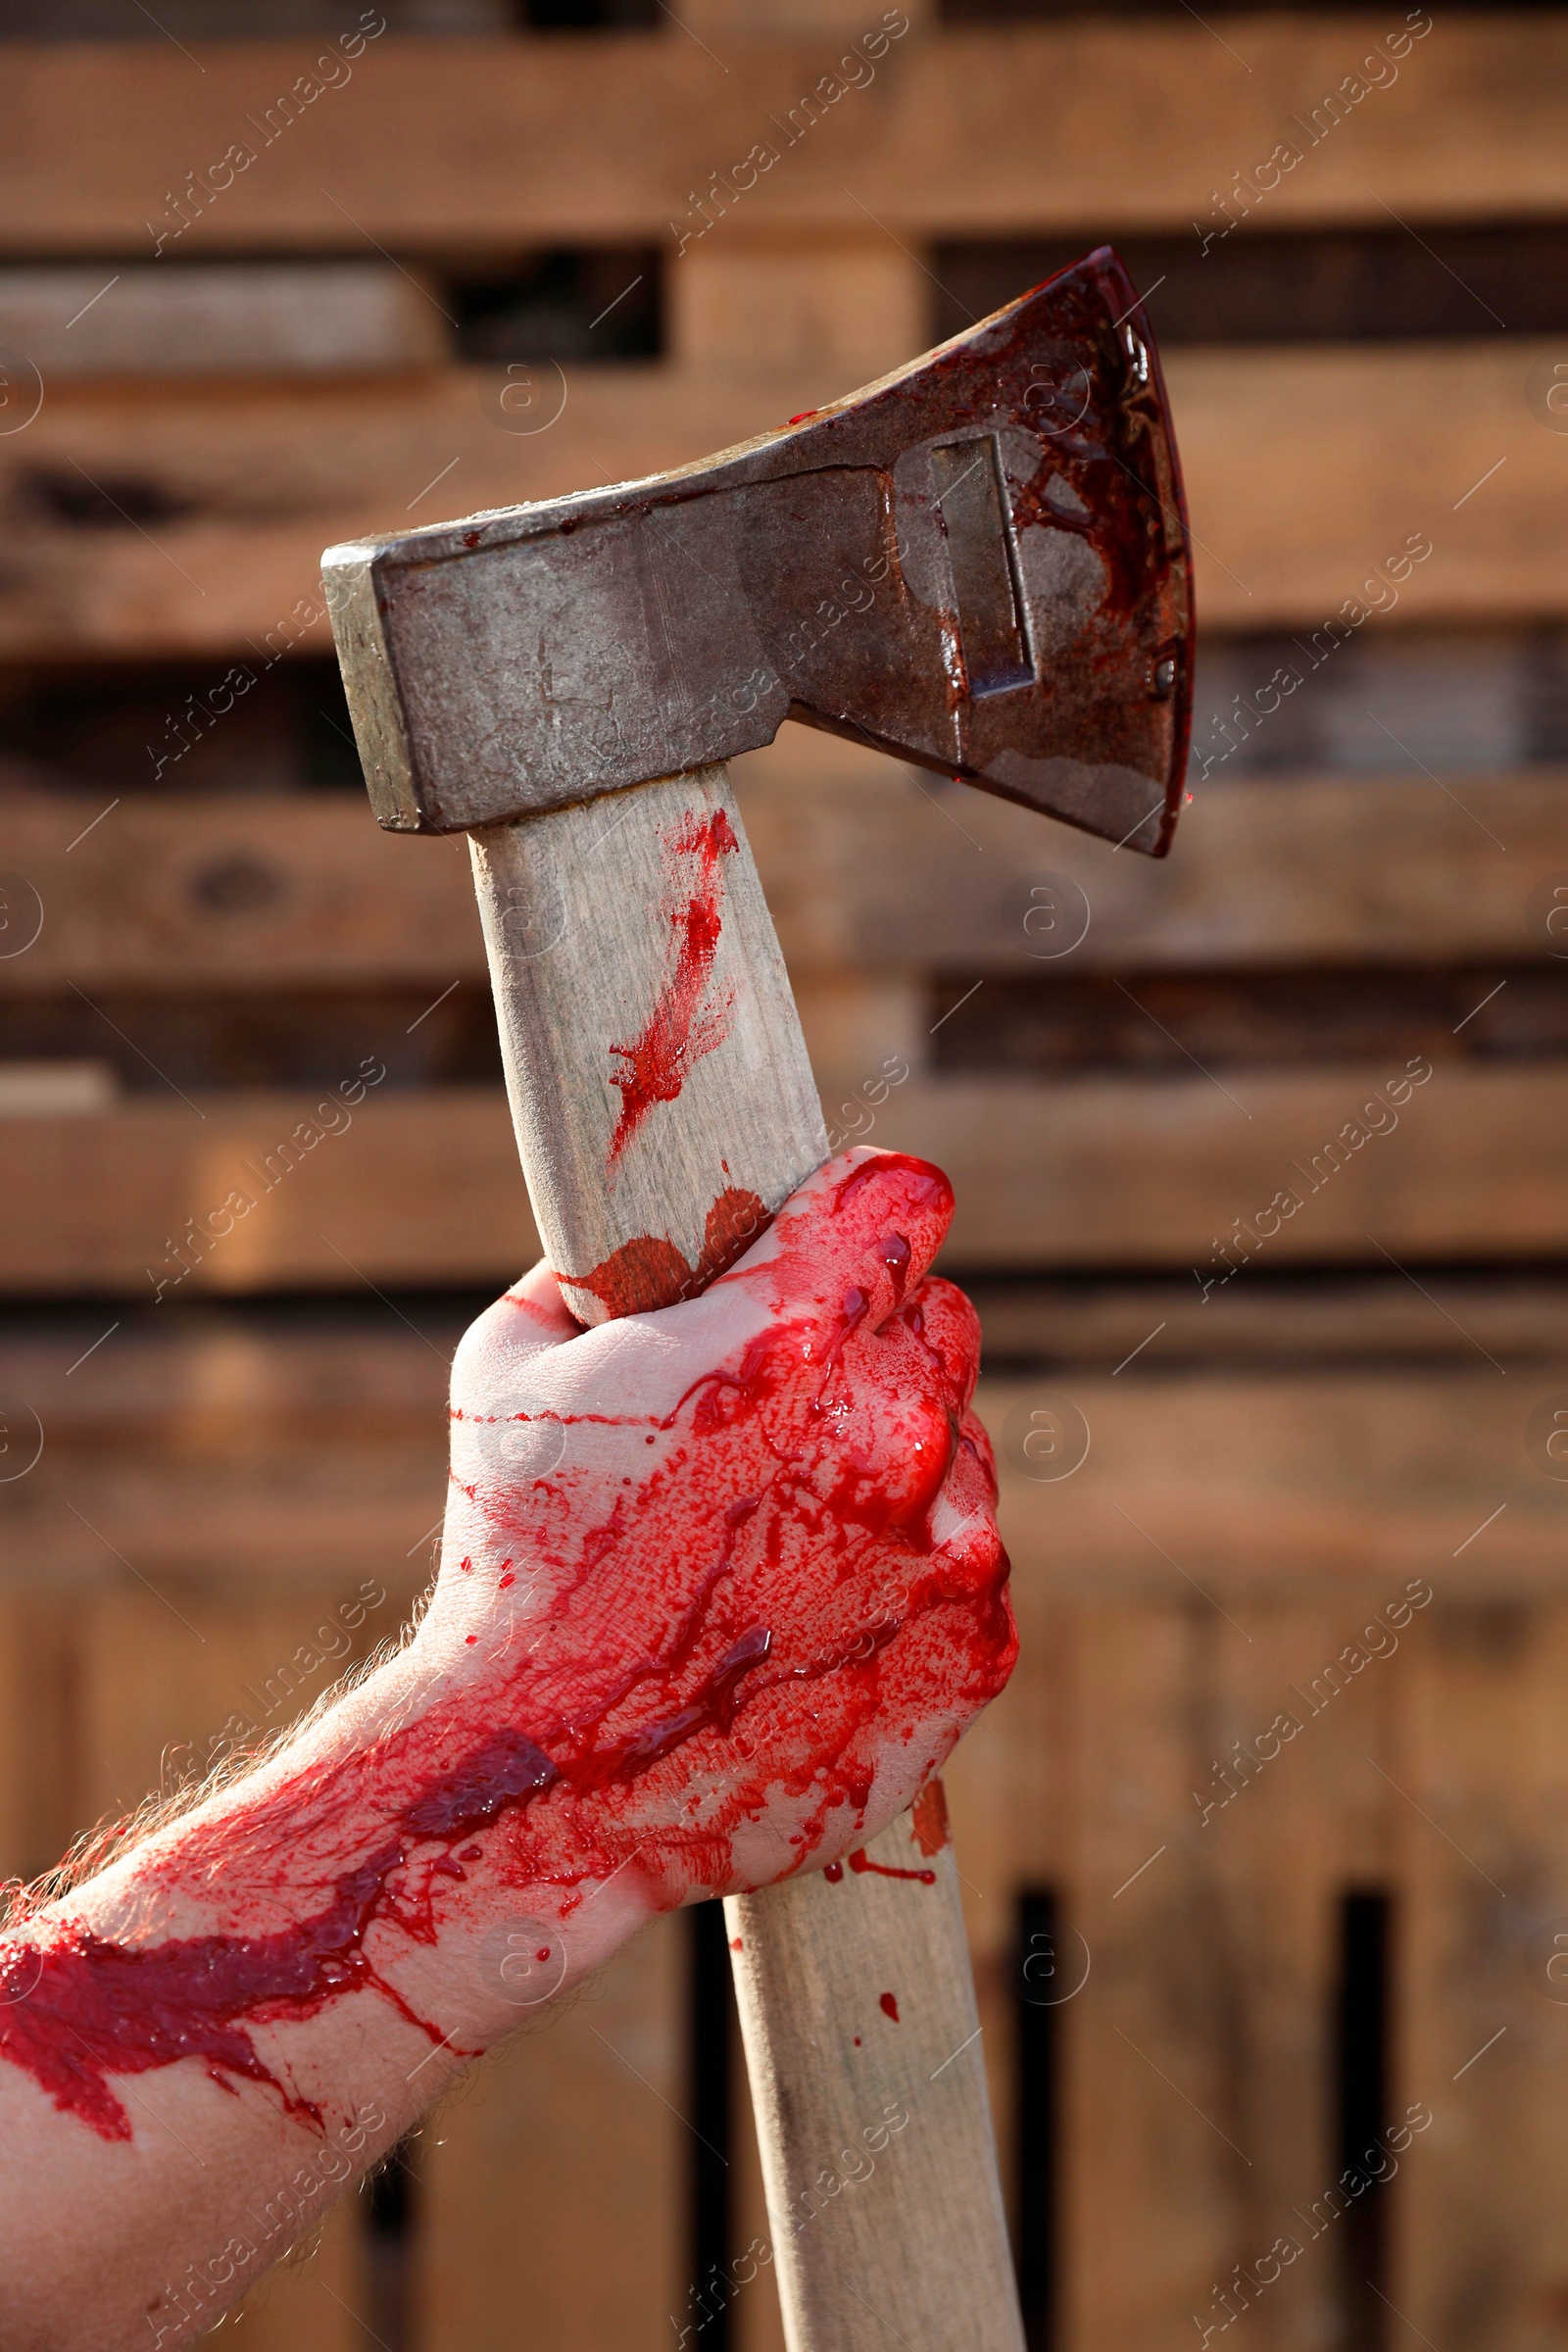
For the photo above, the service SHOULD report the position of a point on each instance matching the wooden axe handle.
(856, 1996)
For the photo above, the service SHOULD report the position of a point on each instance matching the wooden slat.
(1278, 1861)
(849, 308)
(1332, 1324)
(179, 1674)
(1147, 2060)
(219, 320)
(1012, 1795)
(1212, 1947)
(36, 1724)
(1243, 1477)
(948, 139)
(1305, 471)
(424, 1187)
(1107, 1172)
(553, 2206)
(1242, 1483)
(1306, 477)
(1110, 1171)
(277, 1463)
(863, 866)
(864, 871)
(334, 899)
(1483, 1754)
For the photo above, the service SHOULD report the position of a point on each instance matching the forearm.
(328, 1962)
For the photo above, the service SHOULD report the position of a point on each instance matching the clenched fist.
(724, 1580)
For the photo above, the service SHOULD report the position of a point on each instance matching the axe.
(979, 564)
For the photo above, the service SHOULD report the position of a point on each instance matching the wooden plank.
(1242, 1482)
(849, 308)
(1012, 1795)
(36, 1726)
(866, 867)
(1295, 1823)
(1306, 470)
(217, 1452)
(1480, 1750)
(294, 1465)
(219, 319)
(1332, 1324)
(1201, 2076)
(1347, 458)
(179, 1676)
(553, 2206)
(1114, 1172)
(1242, 1476)
(268, 892)
(423, 1187)
(948, 142)
(1090, 1172)
(865, 871)
(1153, 2092)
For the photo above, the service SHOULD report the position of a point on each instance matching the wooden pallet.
(241, 1475)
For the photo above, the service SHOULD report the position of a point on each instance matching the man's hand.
(725, 1578)
(720, 1587)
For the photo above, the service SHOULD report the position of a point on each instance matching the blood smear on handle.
(685, 1021)
(649, 1271)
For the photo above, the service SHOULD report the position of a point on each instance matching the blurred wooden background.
(1266, 1844)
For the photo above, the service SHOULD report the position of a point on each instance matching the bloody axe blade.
(980, 565)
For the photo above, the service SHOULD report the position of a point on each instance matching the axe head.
(980, 563)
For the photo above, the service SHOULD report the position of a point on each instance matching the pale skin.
(720, 1589)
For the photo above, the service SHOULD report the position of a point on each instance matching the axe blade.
(980, 565)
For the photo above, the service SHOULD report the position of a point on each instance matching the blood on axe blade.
(980, 563)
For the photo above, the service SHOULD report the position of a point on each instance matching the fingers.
(880, 1436)
(852, 1244)
(950, 1328)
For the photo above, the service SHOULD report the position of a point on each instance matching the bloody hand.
(720, 1587)
(725, 1579)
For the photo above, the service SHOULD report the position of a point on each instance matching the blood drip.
(734, 1605)
(888, 2004)
(861, 1861)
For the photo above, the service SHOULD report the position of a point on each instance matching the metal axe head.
(980, 563)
